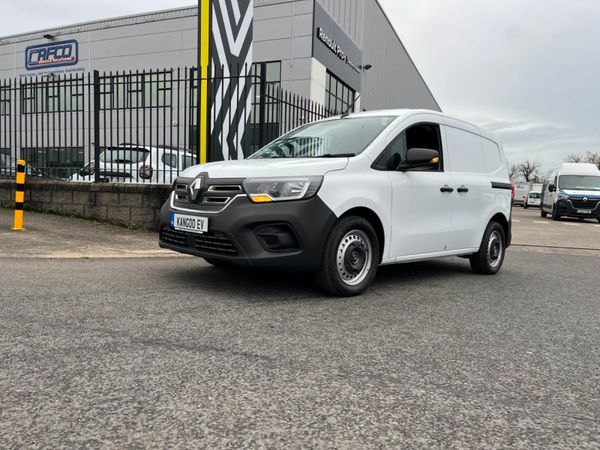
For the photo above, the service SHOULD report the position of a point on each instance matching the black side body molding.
(498, 185)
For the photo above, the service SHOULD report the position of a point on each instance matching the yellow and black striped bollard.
(19, 196)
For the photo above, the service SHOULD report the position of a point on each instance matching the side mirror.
(552, 188)
(420, 157)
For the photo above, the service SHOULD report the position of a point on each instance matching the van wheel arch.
(503, 221)
(372, 217)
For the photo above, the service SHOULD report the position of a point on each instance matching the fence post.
(96, 121)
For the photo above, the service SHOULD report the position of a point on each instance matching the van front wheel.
(350, 258)
(490, 257)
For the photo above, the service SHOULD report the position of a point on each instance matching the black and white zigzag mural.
(230, 86)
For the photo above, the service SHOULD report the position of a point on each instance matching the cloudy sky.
(527, 70)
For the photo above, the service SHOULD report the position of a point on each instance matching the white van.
(340, 197)
(572, 190)
(534, 199)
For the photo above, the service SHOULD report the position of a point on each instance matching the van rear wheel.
(350, 258)
(490, 257)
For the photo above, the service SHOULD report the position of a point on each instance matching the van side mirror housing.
(419, 158)
(552, 188)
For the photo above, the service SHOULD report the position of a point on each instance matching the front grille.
(218, 243)
(212, 242)
(215, 195)
(173, 237)
(580, 204)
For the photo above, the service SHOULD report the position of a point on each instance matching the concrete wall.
(134, 206)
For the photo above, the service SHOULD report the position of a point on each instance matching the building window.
(61, 162)
(152, 90)
(339, 97)
(4, 101)
(266, 80)
(52, 96)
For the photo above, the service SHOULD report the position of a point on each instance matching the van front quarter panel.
(354, 188)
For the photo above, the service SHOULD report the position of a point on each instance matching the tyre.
(598, 219)
(525, 206)
(350, 258)
(490, 257)
(555, 215)
(543, 213)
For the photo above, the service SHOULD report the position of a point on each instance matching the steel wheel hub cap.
(495, 249)
(354, 257)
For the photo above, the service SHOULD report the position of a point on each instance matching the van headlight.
(563, 197)
(266, 190)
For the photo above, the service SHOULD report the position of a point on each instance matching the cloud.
(525, 70)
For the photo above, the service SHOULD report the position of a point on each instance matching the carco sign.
(54, 54)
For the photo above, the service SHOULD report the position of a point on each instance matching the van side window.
(423, 135)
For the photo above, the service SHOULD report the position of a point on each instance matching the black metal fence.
(137, 126)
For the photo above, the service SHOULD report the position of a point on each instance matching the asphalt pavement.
(157, 352)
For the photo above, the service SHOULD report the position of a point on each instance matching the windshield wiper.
(338, 155)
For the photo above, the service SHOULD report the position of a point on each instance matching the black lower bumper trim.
(278, 235)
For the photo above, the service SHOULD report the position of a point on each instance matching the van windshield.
(535, 195)
(336, 138)
(580, 182)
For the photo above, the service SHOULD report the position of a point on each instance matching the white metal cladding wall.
(394, 81)
(283, 32)
(152, 41)
(349, 14)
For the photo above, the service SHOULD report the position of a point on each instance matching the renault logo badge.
(195, 188)
(585, 199)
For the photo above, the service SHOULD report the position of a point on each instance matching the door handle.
(462, 190)
(446, 188)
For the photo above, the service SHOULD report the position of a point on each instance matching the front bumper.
(288, 235)
(566, 208)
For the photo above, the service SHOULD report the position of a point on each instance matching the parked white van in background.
(534, 199)
(341, 196)
(572, 190)
(132, 163)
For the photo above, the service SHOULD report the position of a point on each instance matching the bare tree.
(593, 157)
(589, 157)
(513, 172)
(575, 158)
(529, 170)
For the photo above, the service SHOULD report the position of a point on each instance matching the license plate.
(191, 224)
(584, 211)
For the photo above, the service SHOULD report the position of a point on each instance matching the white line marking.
(571, 224)
(539, 221)
(516, 221)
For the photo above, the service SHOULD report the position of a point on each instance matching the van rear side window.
(465, 150)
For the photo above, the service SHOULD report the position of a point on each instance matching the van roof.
(406, 113)
(578, 169)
